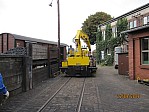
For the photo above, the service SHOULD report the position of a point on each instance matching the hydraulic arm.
(85, 38)
(81, 62)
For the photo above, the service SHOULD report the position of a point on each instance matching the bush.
(108, 61)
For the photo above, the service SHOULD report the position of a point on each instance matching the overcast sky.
(34, 18)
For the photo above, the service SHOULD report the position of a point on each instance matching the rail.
(81, 97)
(45, 104)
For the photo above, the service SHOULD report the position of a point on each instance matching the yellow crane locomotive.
(79, 61)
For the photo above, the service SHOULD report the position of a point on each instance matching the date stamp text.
(128, 96)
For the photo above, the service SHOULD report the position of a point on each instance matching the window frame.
(134, 23)
(114, 31)
(148, 19)
(144, 51)
(103, 34)
(145, 20)
(108, 51)
(131, 24)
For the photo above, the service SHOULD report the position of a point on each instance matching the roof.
(126, 14)
(20, 37)
(136, 29)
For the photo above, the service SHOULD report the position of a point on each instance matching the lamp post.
(59, 54)
(58, 44)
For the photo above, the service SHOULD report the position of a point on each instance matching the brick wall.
(135, 68)
(131, 58)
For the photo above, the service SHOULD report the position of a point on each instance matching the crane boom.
(80, 61)
(85, 38)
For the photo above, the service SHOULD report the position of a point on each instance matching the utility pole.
(59, 54)
(58, 44)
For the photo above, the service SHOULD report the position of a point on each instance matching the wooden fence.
(23, 72)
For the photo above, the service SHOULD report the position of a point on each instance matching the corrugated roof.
(20, 37)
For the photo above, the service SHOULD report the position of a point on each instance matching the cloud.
(36, 19)
(1, 5)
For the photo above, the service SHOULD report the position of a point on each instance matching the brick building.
(136, 18)
(138, 40)
(138, 52)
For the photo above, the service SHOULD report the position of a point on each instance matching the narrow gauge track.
(80, 99)
(44, 105)
(37, 97)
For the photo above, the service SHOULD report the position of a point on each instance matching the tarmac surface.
(106, 92)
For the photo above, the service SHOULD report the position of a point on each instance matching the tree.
(90, 25)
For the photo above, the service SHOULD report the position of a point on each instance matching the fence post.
(27, 65)
(25, 79)
(49, 73)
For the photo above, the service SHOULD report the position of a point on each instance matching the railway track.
(78, 103)
(65, 94)
(81, 97)
(91, 94)
(32, 100)
(45, 104)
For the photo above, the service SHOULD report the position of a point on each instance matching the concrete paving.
(120, 94)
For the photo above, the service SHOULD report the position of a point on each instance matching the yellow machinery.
(80, 61)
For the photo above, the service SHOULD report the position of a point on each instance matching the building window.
(131, 24)
(135, 23)
(108, 51)
(145, 20)
(102, 55)
(114, 30)
(145, 51)
(103, 34)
